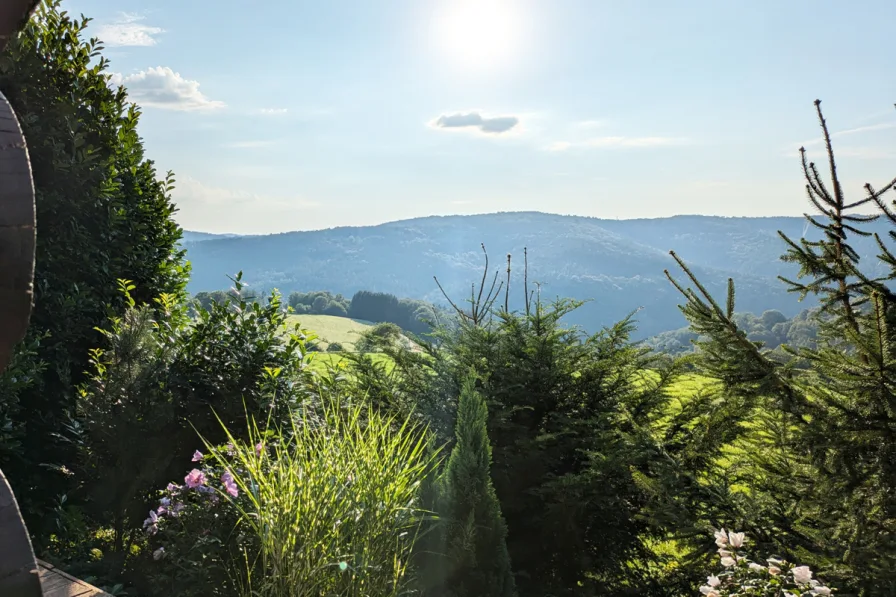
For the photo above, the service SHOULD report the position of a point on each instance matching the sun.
(479, 34)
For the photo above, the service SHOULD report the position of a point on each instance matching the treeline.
(773, 329)
(411, 315)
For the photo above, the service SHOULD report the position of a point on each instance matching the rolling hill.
(617, 263)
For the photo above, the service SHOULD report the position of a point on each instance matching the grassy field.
(323, 361)
(331, 329)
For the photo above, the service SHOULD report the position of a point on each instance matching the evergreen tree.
(563, 413)
(824, 444)
(474, 539)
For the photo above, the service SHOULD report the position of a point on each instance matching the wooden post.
(18, 569)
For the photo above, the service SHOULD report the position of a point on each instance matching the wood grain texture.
(16, 233)
(57, 583)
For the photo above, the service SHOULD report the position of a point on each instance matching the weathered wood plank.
(18, 568)
(57, 583)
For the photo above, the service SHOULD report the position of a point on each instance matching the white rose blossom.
(801, 575)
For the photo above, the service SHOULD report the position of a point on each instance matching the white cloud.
(475, 121)
(273, 111)
(127, 30)
(161, 87)
(590, 124)
(616, 142)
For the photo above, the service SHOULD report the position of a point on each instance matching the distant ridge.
(616, 264)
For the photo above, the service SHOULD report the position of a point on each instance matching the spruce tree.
(478, 563)
(829, 461)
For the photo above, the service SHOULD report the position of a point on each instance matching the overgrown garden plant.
(326, 504)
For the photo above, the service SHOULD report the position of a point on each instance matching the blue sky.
(305, 115)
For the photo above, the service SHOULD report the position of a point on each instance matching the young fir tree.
(477, 561)
(831, 462)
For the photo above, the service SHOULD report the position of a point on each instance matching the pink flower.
(258, 448)
(728, 562)
(197, 456)
(229, 485)
(195, 478)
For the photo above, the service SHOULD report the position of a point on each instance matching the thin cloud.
(161, 87)
(128, 31)
(854, 131)
(273, 111)
(249, 144)
(590, 124)
(475, 121)
(866, 153)
(190, 191)
(617, 142)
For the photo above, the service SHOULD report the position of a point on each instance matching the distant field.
(323, 361)
(331, 329)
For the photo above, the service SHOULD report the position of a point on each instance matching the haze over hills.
(617, 263)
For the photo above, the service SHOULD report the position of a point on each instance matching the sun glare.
(479, 34)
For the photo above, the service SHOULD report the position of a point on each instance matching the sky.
(298, 115)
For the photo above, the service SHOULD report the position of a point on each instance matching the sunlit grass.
(333, 503)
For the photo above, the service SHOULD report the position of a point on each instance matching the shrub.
(335, 347)
(326, 505)
(741, 576)
(158, 382)
(103, 213)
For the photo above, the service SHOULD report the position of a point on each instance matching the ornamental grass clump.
(742, 576)
(328, 505)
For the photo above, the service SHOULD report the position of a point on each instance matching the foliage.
(103, 214)
(326, 505)
(561, 408)
(319, 303)
(413, 316)
(159, 380)
(472, 539)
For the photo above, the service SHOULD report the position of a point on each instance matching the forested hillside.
(772, 328)
(616, 264)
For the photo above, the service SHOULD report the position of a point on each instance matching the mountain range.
(617, 265)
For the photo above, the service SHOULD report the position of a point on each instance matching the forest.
(162, 441)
